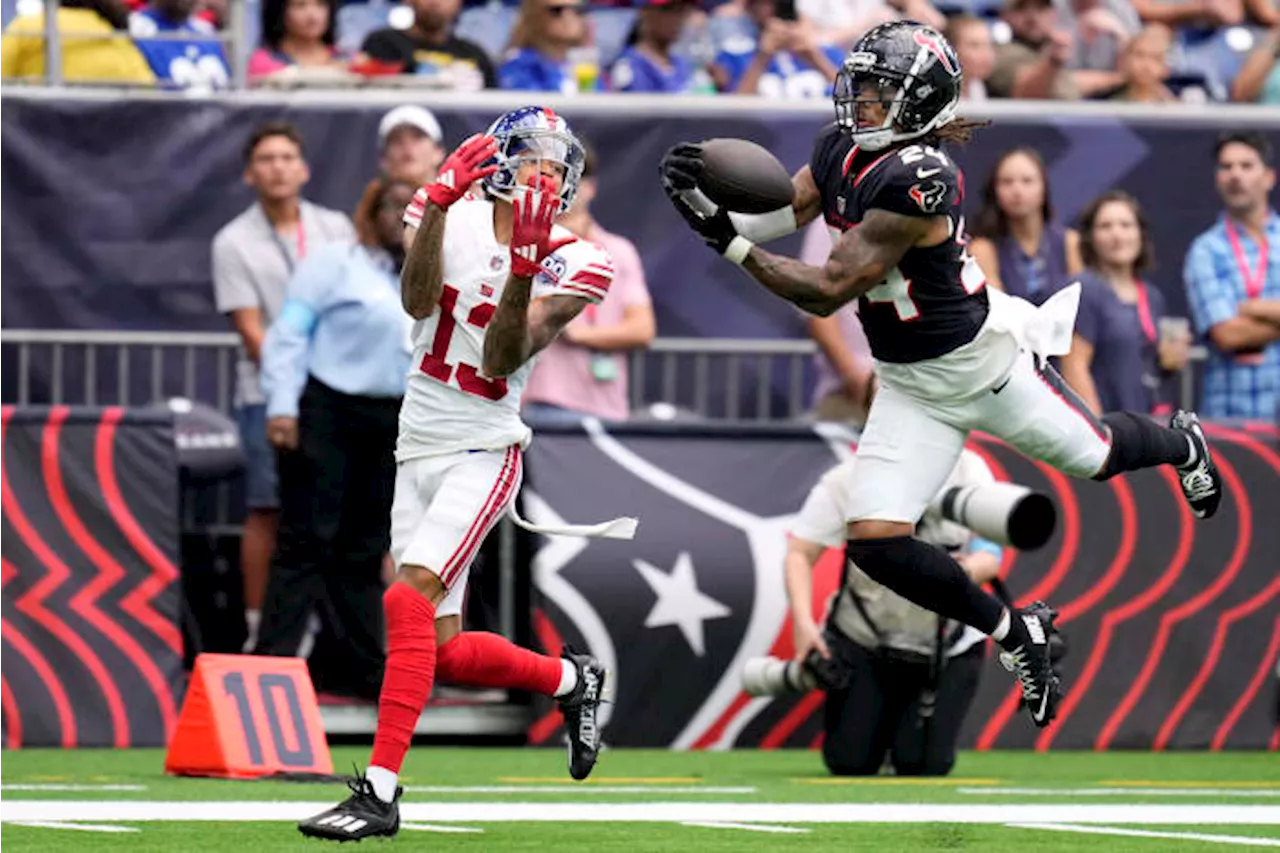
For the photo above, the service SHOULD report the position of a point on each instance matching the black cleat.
(1201, 483)
(361, 815)
(579, 708)
(1041, 690)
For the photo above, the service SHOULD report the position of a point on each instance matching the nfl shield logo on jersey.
(840, 205)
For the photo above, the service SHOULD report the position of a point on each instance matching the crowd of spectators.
(1149, 51)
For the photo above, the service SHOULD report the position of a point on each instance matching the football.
(744, 177)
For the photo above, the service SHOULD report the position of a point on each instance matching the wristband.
(737, 249)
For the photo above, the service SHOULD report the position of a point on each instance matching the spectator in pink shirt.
(297, 36)
(584, 371)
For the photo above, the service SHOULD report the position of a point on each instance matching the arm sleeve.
(1087, 320)
(417, 206)
(821, 519)
(233, 286)
(287, 345)
(580, 268)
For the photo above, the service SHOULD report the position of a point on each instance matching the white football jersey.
(449, 404)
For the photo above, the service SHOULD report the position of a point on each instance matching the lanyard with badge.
(604, 367)
(301, 246)
(1150, 379)
(1254, 280)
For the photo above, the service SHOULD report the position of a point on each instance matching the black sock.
(928, 576)
(1138, 442)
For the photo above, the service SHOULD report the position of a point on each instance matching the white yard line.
(82, 827)
(435, 827)
(59, 786)
(573, 789)
(1245, 840)
(750, 827)
(658, 812)
(1245, 793)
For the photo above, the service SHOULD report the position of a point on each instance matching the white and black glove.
(680, 169)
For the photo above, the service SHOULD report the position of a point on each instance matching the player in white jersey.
(489, 281)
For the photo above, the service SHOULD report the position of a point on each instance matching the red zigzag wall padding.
(1173, 624)
(91, 643)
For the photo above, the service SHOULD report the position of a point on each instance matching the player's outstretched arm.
(519, 331)
(422, 278)
(860, 260)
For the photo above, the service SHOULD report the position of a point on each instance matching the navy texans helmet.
(534, 134)
(911, 69)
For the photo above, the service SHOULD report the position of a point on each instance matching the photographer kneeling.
(899, 679)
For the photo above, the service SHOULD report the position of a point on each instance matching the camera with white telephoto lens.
(1004, 513)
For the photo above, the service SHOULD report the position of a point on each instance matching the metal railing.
(139, 368)
(718, 378)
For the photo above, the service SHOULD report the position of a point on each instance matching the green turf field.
(502, 799)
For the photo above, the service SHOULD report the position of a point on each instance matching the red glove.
(461, 169)
(535, 212)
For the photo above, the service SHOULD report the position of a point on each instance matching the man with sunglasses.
(491, 281)
(544, 36)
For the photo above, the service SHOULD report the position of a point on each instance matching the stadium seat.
(357, 20)
(488, 26)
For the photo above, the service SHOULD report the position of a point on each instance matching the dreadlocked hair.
(958, 131)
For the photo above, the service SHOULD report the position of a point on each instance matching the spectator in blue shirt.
(1232, 274)
(198, 64)
(783, 60)
(1119, 358)
(648, 64)
(543, 36)
(333, 367)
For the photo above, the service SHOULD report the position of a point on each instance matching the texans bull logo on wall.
(1172, 623)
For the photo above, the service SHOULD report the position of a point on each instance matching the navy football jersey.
(935, 300)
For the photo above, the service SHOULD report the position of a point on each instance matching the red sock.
(481, 659)
(406, 681)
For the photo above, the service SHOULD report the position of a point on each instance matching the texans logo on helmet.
(929, 196)
(929, 41)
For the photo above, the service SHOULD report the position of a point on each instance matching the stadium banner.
(154, 179)
(90, 624)
(1172, 623)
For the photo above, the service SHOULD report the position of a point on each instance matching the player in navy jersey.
(951, 356)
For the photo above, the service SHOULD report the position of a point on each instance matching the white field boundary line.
(749, 827)
(82, 827)
(578, 790)
(435, 827)
(60, 786)
(655, 812)
(1244, 793)
(1245, 840)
